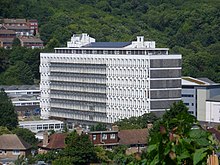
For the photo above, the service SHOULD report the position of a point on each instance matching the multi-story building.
(195, 92)
(92, 81)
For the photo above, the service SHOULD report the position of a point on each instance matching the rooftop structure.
(89, 81)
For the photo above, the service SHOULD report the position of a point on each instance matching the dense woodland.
(188, 27)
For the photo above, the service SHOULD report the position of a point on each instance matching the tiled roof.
(56, 141)
(17, 27)
(3, 31)
(30, 39)
(12, 142)
(107, 44)
(14, 20)
(6, 39)
(134, 136)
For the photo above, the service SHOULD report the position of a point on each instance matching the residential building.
(213, 109)
(42, 125)
(134, 139)
(195, 92)
(31, 42)
(107, 139)
(11, 146)
(6, 42)
(55, 141)
(33, 25)
(89, 82)
(22, 27)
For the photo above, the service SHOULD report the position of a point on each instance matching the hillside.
(188, 27)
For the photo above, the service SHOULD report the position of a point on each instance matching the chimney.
(115, 128)
(45, 139)
(79, 130)
(149, 126)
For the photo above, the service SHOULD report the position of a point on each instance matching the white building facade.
(106, 81)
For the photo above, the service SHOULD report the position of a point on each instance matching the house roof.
(7, 20)
(4, 31)
(134, 136)
(107, 44)
(6, 39)
(12, 142)
(25, 27)
(30, 39)
(56, 141)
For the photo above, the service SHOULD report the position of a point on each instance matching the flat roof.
(40, 122)
(20, 87)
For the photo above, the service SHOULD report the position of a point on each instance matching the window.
(112, 136)
(104, 136)
(45, 126)
(39, 126)
(93, 137)
(57, 126)
(192, 104)
(51, 126)
(16, 152)
(186, 104)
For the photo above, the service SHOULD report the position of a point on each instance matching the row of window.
(104, 136)
(113, 52)
(14, 152)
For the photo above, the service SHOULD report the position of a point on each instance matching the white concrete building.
(195, 92)
(42, 125)
(92, 81)
(213, 109)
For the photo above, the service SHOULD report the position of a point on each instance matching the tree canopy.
(26, 135)
(8, 115)
(177, 139)
(190, 28)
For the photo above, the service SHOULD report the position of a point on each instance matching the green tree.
(26, 135)
(98, 127)
(8, 115)
(4, 130)
(174, 140)
(16, 42)
(18, 74)
(79, 148)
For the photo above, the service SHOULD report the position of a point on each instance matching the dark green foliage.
(16, 42)
(19, 66)
(175, 140)
(8, 115)
(98, 127)
(4, 130)
(26, 135)
(136, 122)
(79, 150)
(190, 28)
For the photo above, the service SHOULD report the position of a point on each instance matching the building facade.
(92, 81)
(196, 92)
